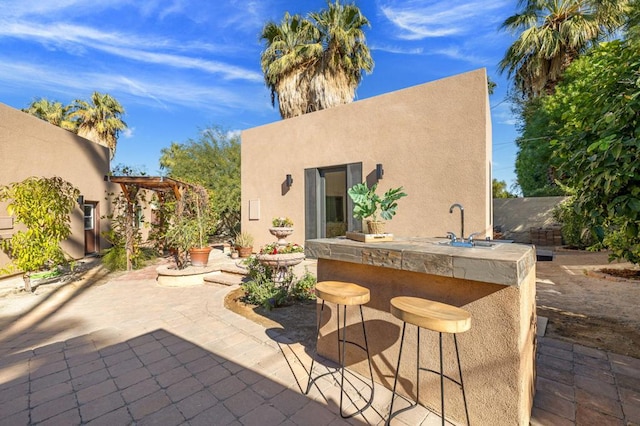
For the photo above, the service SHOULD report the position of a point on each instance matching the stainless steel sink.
(468, 244)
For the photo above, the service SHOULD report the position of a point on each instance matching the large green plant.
(368, 204)
(44, 206)
(191, 223)
(597, 143)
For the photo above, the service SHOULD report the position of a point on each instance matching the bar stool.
(433, 316)
(345, 294)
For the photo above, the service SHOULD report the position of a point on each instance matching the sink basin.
(467, 244)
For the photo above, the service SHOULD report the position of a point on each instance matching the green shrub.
(263, 291)
(575, 232)
(114, 258)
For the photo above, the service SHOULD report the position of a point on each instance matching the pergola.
(160, 184)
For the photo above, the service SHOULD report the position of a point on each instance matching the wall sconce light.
(289, 181)
(379, 171)
(80, 200)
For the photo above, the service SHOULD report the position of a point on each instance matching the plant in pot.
(244, 244)
(367, 205)
(190, 228)
(281, 228)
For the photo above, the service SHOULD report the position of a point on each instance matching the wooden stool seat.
(431, 315)
(342, 293)
(434, 316)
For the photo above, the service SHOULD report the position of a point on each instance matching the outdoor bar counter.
(496, 285)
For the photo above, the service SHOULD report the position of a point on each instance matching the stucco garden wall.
(434, 139)
(32, 147)
(516, 216)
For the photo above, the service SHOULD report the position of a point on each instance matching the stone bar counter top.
(495, 285)
(504, 263)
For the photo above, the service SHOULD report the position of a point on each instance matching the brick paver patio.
(126, 351)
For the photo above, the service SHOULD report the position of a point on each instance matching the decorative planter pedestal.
(280, 263)
(281, 233)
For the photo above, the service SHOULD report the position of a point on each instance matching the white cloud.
(77, 40)
(156, 91)
(417, 19)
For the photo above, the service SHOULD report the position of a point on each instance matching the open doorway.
(328, 209)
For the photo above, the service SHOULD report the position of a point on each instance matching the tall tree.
(99, 120)
(316, 62)
(552, 34)
(214, 162)
(345, 55)
(53, 112)
(287, 62)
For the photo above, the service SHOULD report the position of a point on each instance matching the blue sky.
(178, 66)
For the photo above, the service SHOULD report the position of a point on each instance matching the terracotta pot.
(244, 251)
(199, 256)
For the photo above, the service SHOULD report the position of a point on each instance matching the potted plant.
(367, 205)
(189, 228)
(281, 228)
(244, 244)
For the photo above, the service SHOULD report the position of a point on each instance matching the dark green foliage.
(597, 143)
(536, 167)
(575, 231)
(115, 257)
(261, 289)
(499, 189)
(212, 161)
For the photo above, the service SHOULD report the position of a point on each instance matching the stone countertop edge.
(506, 264)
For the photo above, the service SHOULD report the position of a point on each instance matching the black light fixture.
(289, 181)
(379, 171)
(80, 200)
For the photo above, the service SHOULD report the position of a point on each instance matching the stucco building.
(32, 147)
(433, 139)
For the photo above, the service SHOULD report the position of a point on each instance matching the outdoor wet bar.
(495, 284)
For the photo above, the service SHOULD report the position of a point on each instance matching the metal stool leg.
(313, 359)
(459, 383)
(464, 396)
(342, 340)
(440, 372)
(441, 382)
(395, 380)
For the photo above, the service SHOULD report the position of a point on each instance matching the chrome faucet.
(461, 218)
(473, 235)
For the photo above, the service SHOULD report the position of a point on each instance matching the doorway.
(90, 228)
(328, 208)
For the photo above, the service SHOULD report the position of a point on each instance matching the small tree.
(44, 206)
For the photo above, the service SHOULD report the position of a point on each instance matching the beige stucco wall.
(434, 139)
(516, 216)
(32, 147)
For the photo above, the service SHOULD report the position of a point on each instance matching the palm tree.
(100, 120)
(287, 62)
(553, 33)
(52, 111)
(345, 55)
(316, 63)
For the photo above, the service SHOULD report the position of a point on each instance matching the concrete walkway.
(123, 350)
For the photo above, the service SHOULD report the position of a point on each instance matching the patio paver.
(126, 350)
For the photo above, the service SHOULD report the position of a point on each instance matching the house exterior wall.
(32, 147)
(433, 139)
